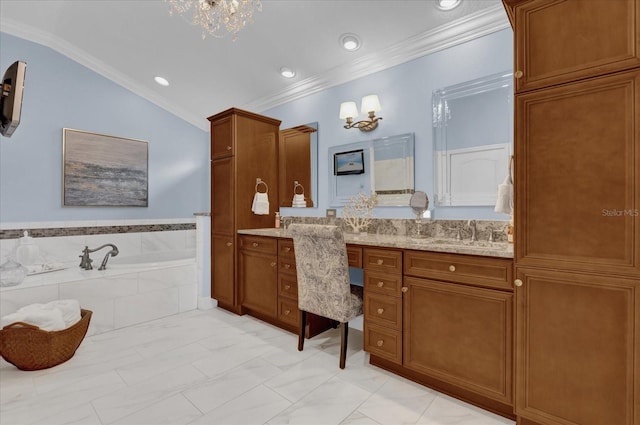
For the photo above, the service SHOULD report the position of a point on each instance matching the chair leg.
(343, 344)
(303, 325)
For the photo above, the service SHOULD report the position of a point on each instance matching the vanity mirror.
(298, 164)
(384, 166)
(473, 139)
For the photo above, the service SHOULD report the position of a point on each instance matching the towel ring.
(297, 185)
(258, 183)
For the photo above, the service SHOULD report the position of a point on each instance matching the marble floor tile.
(213, 367)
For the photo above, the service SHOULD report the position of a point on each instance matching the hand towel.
(70, 310)
(504, 203)
(260, 204)
(298, 201)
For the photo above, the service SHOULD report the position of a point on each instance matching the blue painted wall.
(60, 93)
(405, 94)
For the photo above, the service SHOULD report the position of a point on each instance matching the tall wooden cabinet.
(577, 190)
(244, 147)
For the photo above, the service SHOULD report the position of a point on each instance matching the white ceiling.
(131, 41)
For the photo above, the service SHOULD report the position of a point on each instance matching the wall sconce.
(370, 104)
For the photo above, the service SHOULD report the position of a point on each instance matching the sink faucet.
(85, 262)
(285, 221)
(474, 229)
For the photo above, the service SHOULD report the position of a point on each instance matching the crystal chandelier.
(216, 15)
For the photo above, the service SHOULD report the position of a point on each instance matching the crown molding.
(460, 31)
(65, 48)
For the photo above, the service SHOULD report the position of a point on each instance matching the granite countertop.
(481, 248)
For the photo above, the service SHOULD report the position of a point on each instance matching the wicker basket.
(29, 348)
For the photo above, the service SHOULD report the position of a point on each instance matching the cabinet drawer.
(383, 283)
(288, 286)
(383, 342)
(259, 244)
(472, 270)
(383, 260)
(288, 311)
(287, 265)
(383, 310)
(354, 256)
(285, 248)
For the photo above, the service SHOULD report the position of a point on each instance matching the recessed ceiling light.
(161, 80)
(447, 4)
(350, 42)
(287, 72)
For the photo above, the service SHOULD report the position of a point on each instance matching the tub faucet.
(85, 263)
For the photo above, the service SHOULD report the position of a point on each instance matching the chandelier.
(214, 16)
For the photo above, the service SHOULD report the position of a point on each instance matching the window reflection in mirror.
(473, 139)
(388, 171)
(297, 162)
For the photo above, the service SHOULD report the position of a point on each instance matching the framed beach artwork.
(104, 171)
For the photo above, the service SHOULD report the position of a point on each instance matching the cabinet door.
(559, 41)
(577, 357)
(222, 137)
(460, 335)
(222, 276)
(258, 274)
(222, 187)
(577, 180)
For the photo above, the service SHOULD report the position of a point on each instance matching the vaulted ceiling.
(131, 41)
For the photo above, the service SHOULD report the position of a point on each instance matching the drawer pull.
(287, 266)
(273, 264)
(255, 244)
(229, 244)
(518, 282)
(452, 268)
(380, 284)
(380, 310)
(405, 289)
(518, 74)
(380, 343)
(380, 262)
(287, 287)
(287, 249)
(228, 148)
(287, 312)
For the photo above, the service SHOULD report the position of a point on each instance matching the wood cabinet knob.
(518, 74)
(380, 343)
(287, 312)
(287, 287)
(380, 262)
(255, 244)
(229, 243)
(273, 264)
(287, 266)
(517, 282)
(380, 284)
(452, 268)
(287, 249)
(405, 289)
(228, 148)
(380, 310)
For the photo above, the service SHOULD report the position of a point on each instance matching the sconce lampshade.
(370, 103)
(348, 110)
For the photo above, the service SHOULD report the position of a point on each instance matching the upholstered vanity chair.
(323, 279)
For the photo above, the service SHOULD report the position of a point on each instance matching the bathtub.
(132, 290)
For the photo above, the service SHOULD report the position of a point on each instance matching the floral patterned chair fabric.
(323, 277)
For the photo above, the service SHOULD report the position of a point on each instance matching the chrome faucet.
(284, 222)
(474, 229)
(85, 261)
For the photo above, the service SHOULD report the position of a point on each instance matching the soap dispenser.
(27, 252)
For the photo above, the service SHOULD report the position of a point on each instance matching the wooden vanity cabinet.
(244, 147)
(577, 194)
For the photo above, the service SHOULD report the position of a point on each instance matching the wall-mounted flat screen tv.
(351, 162)
(11, 98)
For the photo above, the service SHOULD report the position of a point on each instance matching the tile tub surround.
(117, 297)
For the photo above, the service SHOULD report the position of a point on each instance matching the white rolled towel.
(47, 319)
(70, 310)
(504, 203)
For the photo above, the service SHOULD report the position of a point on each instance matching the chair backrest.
(323, 271)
